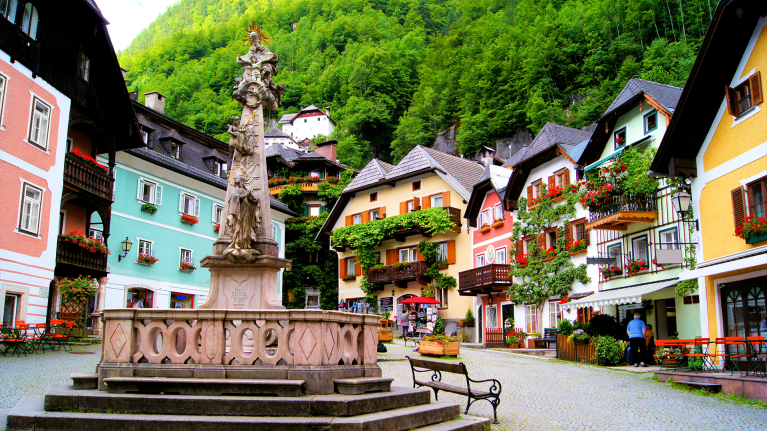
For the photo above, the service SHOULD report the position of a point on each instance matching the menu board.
(386, 304)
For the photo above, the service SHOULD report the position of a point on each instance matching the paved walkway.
(537, 394)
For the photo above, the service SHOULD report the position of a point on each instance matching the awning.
(623, 295)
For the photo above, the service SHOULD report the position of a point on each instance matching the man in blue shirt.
(636, 330)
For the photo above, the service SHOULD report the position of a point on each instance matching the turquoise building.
(168, 200)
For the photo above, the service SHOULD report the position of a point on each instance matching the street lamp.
(126, 245)
(681, 201)
(392, 292)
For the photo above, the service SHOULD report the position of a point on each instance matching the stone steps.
(464, 423)
(30, 414)
(362, 385)
(65, 398)
(211, 387)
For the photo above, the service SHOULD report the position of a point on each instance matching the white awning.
(623, 295)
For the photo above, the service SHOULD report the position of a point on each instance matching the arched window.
(8, 9)
(29, 21)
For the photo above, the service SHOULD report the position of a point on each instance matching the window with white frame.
(145, 247)
(3, 81)
(526, 244)
(189, 205)
(436, 200)
(485, 217)
(408, 254)
(669, 239)
(375, 214)
(39, 123)
(410, 206)
(559, 178)
(96, 233)
(217, 211)
(500, 256)
(442, 252)
(536, 185)
(555, 314)
(357, 219)
(614, 250)
(480, 260)
(314, 210)
(185, 256)
(31, 204)
(498, 213)
(351, 266)
(149, 192)
(639, 248)
(531, 318)
(441, 296)
(219, 168)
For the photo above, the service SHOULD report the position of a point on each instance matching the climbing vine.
(430, 256)
(365, 237)
(536, 278)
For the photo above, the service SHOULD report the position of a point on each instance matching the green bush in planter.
(149, 208)
(608, 351)
(439, 327)
(513, 339)
(566, 327)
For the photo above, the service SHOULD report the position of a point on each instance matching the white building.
(308, 123)
(277, 136)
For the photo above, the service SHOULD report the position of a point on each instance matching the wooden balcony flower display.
(377, 268)
(189, 219)
(401, 265)
(485, 228)
(634, 267)
(611, 271)
(578, 246)
(93, 245)
(187, 267)
(385, 335)
(89, 160)
(148, 208)
(146, 259)
(439, 345)
(754, 229)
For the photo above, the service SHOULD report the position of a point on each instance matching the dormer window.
(619, 138)
(84, 71)
(219, 168)
(29, 21)
(8, 9)
(144, 136)
(175, 150)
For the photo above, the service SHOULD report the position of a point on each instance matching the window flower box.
(610, 272)
(634, 267)
(521, 260)
(93, 245)
(189, 219)
(401, 265)
(187, 267)
(549, 255)
(579, 246)
(442, 264)
(217, 227)
(496, 224)
(484, 228)
(757, 238)
(148, 208)
(385, 335)
(89, 160)
(146, 259)
(350, 277)
(753, 230)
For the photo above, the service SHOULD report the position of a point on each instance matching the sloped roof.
(500, 178)
(212, 152)
(275, 133)
(287, 153)
(576, 151)
(287, 118)
(370, 174)
(666, 95)
(311, 108)
(494, 178)
(550, 135)
(171, 134)
(146, 123)
(465, 171)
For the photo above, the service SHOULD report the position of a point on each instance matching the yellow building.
(424, 179)
(720, 121)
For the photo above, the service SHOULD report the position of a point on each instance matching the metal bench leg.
(495, 409)
(435, 394)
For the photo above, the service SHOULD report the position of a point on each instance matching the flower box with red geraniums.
(576, 247)
(752, 227)
(349, 277)
(217, 227)
(377, 268)
(610, 271)
(565, 299)
(187, 267)
(146, 259)
(634, 267)
(401, 265)
(521, 259)
(189, 219)
(93, 245)
(89, 160)
(549, 254)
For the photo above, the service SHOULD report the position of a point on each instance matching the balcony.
(621, 211)
(416, 271)
(87, 177)
(486, 279)
(80, 260)
(453, 213)
(305, 187)
(19, 46)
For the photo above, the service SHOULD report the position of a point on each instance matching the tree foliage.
(395, 72)
(330, 192)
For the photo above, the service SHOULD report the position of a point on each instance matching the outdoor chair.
(14, 339)
(43, 335)
(61, 335)
(697, 357)
(738, 343)
(720, 351)
(758, 346)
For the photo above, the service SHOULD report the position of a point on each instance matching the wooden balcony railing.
(19, 46)
(87, 177)
(414, 271)
(488, 277)
(72, 254)
(620, 211)
(305, 187)
(381, 277)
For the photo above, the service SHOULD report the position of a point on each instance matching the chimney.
(133, 96)
(156, 101)
(327, 111)
(327, 150)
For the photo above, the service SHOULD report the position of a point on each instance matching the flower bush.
(93, 245)
(378, 268)
(401, 265)
(608, 351)
(658, 265)
(147, 259)
(610, 272)
(217, 227)
(521, 259)
(190, 219)
(565, 299)
(752, 226)
(634, 266)
(90, 160)
(188, 266)
(551, 252)
(149, 208)
(578, 335)
(299, 220)
(441, 339)
(78, 289)
(577, 245)
(512, 339)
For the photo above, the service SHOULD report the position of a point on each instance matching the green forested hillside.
(394, 72)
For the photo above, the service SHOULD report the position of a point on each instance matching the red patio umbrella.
(419, 300)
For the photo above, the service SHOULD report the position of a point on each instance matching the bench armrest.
(495, 388)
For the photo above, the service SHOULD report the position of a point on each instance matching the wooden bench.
(549, 336)
(492, 395)
(420, 333)
(708, 387)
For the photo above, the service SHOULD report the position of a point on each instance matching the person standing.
(403, 321)
(636, 330)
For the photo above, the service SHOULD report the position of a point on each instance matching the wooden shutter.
(416, 204)
(529, 194)
(403, 207)
(451, 252)
(140, 190)
(732, 109)
(158, 194)
(738, 207)
(757, 95)
(392, 256)
(568, 235)
(341, 268)
(365, 216)
(426, 202)
(519, 248)
(419, 256)
(446, 198)
(566, 178)
(181, 203)
(541, 242)
(552, 182)
(349, 220)
(357, 267)
(382, 212)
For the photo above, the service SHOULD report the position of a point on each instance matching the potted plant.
(442, 264)
(146, 259)
(349, 277)
(633, 267)
(579, 336)
(377, 268)
(440, 345)
(522, 339)
(187, 267)
(754, 229)
(148, 208)
(467, 321)
(610, 271)
(189, 219)
(385, 335)
(401, 265)
(531, 339)
(512, 340)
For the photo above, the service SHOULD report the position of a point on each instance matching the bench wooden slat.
(439, 366)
